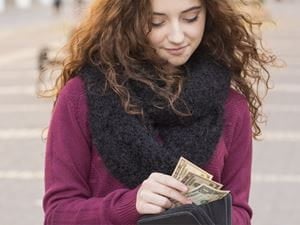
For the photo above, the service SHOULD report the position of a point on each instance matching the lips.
(176, 51)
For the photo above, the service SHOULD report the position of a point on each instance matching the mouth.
(176, 51)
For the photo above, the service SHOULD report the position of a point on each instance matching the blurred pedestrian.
(143, 83)
(79, 2)
(57, 4)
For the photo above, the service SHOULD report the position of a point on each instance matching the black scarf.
(131, 150)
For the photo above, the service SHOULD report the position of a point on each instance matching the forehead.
(173, 6)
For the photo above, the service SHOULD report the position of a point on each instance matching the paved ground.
(22, 114)
(276, 179)
(276, 176)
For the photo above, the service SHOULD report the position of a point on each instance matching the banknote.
(202, 189)
(178, 168)
(192, 181)
(184, 166)
(205, 194)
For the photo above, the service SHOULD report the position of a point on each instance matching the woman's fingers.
(157, 193)
(156, 199)
(150, 209)
(169, 192)
(168, 186)
(173, 194)
(169, 181)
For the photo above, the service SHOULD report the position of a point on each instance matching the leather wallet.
(214, 213)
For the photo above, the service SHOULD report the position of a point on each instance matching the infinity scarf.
(132, 149)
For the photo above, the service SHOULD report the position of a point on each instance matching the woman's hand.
(156, 193)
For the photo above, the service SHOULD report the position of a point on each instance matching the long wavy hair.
(113, 38)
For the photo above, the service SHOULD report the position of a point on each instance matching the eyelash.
(187, 20)
(157, 24)
(191, 20)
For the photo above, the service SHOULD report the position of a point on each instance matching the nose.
(176, 34)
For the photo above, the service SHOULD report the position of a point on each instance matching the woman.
(145, 82)
(57, 5)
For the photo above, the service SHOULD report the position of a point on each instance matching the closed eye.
(157, 24)
(190, 20)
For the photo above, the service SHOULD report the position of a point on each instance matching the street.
(23, 117)
(276, 170)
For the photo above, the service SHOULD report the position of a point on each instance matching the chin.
(178, 62)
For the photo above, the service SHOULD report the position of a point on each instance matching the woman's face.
(177, 28)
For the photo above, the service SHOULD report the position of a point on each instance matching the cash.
(201, 188)
(205, 194)
(192, 181)
(184, 166)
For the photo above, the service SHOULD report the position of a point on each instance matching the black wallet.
(214, 213)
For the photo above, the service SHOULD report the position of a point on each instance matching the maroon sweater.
(80, 190)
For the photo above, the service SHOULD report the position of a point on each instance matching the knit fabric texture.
(130, 149)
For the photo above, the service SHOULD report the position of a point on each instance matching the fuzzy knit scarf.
(132, 151)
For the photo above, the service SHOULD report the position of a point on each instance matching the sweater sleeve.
(68, 198)
(236, 175)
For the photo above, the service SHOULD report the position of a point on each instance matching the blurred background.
(31, 33)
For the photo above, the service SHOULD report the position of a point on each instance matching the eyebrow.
(184, 11)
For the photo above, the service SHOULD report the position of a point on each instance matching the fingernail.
(186, 188)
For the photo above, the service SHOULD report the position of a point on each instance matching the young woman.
(143, 83)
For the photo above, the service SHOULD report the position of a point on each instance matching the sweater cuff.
(127, 211)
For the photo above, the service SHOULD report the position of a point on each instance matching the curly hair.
(113, 38)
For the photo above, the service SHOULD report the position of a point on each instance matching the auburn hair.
(113, 38)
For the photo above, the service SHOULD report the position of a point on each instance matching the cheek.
(155, 37)
(197, 32)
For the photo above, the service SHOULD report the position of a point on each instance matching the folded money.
(202, 189)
